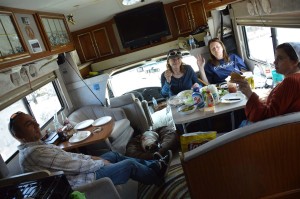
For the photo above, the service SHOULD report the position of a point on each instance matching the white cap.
(296, 47)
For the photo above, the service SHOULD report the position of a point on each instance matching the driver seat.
(137, 112)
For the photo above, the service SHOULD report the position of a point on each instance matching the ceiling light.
(130, 2)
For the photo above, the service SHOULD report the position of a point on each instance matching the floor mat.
(174, 188)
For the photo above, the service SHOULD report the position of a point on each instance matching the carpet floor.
(173, 188)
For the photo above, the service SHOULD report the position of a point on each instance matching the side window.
(262, 41)
(287, 35)
(42, 104)
(259, 41)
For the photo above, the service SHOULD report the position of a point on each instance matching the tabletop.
(199, 114)
(93, 138)
(220, 108)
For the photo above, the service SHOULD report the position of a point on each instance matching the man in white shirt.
(79, 168)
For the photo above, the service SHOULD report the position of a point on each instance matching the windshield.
(143, 76)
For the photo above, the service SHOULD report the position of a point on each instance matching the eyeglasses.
(173, 53)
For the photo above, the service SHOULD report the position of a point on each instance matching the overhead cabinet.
(95, 43)
(57, 34)
(12, 45)
(185, 16)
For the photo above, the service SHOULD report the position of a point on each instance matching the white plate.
(84, 124)
(232, 97)
(79, 136)
(101, 121)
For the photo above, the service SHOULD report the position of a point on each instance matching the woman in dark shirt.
(178, 76)
(220, 64)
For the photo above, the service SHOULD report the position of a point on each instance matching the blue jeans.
(123, 168)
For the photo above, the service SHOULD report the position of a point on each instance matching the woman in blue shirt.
(220, 65)
(178, 76)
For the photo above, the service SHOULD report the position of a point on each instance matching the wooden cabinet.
(57, 34)
(185, 16)
(12, 45)
(95, 43)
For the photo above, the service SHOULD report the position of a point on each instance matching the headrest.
(122, 100)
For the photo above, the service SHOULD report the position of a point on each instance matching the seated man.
(79, 168)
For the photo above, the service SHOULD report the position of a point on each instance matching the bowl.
(187, 109)
(186, 97)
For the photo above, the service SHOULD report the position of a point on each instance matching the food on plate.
(222, 92)
(186, 97)
(186, 109)
(236, 76)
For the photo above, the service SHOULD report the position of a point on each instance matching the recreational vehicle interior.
(90, 59)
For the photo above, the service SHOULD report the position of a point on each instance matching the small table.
(93, 138)
(199, 114)
(219, 109)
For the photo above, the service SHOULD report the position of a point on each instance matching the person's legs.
(144, 171)
(120, 172)
(115, 157)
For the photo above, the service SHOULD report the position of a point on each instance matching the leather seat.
(134, 111)
(122, 131)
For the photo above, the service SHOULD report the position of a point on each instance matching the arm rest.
(24, 177)
(101, 188)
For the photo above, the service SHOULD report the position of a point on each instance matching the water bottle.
(154, 102)
(214, 91)
(258, 76)
(268, 69)
(210, 102)
(57, 125)
(192, 42)
(256, 71)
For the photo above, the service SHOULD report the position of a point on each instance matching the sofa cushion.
(119, 128)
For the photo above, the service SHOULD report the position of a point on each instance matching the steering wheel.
(136, 94)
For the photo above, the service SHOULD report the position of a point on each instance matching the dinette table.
(220, 108)
(94, 137)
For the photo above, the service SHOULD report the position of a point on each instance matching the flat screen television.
(142, 26)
